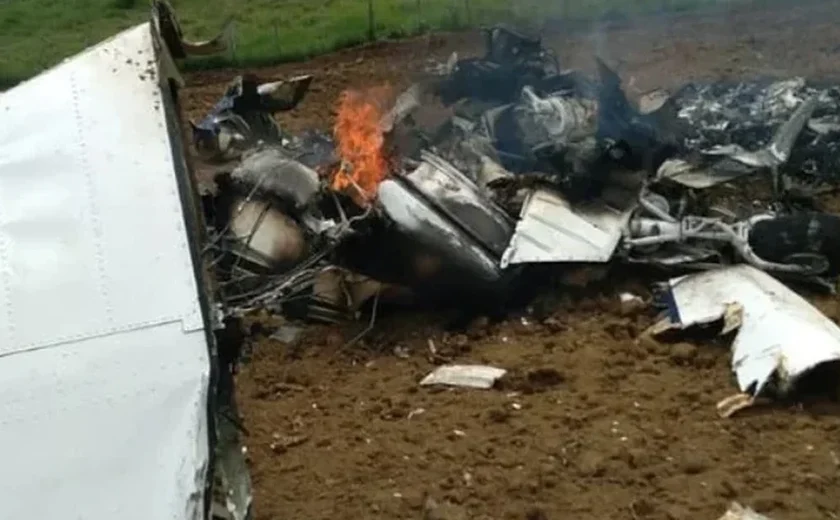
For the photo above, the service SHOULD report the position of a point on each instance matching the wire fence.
(36, 34)
(301, 28)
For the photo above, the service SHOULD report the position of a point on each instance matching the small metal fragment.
(467, 376)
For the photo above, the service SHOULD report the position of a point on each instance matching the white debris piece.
(552, 230)
(287, 334)
(630, 302)
(652, 101)
(738, 512)
(779, 332)
(468, 376)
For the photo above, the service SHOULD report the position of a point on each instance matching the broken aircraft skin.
(135, 372)
(773, 323)
(243, 116)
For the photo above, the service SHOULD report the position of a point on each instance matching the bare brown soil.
(593, 422)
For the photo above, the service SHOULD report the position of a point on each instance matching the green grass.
(36, 34)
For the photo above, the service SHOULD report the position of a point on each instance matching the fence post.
(468, 12)
(233, 42)
(371, 30)
(419, 16)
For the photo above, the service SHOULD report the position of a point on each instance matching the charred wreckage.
(468, 184)
(528, 165)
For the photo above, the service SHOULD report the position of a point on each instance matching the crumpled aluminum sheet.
(271, 170)
(779, 332)
(453, 194)
(749, 113)
(417, 219)
(552, 230)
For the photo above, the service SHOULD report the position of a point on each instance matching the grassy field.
(35, 34)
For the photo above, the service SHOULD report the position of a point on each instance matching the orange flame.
(361, 143)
